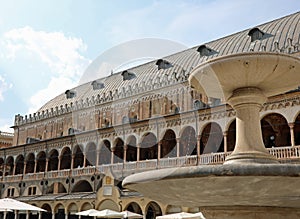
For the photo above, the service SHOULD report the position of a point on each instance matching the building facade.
(73, 153)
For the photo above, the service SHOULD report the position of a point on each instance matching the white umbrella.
(179, 216)
(129, 214)
(87, 212)
(200, 215)
(12, 204)
(107, 214)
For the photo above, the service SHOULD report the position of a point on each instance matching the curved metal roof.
(281, 35)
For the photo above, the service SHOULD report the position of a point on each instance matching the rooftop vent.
(97, 85)
(206, 51)
(256, 34)
(70, 94)
(128, 75)
(163, 64)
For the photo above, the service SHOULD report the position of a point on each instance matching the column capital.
(291, 124)
(225, 133)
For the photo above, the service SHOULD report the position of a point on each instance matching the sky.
(46, 46)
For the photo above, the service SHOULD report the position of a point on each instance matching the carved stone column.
(72, 161)
(225, 140)
(291, 125)
(138, 151)
(178, 147)
(24, 168)
(46, 166)
(97, 157)
(198, 145)
(158, 150)
(112, 155)
(125, 153)
(84, 159)
(59, 162)
(35, 165)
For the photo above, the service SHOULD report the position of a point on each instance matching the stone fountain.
(251, 183)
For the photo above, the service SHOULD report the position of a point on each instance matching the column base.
(251, 157)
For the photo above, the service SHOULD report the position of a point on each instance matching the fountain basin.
(272, 73)
(274, 185)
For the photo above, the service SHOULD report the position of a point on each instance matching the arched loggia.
(275, 131)
(168, 144)
(148, 148)
(212, 139)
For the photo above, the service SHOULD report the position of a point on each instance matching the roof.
(282, 35)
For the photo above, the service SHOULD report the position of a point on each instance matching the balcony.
(283, 154)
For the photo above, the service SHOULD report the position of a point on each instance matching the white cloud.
(6, 128)
(4, 86)
(62, 54)
(57, 85)
(52, 52)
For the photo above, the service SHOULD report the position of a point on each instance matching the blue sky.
(45, 46)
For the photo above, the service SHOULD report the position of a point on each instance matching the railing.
(283, 154)
(84, 171)
(33, 176)
(15, 178)
(6, 134)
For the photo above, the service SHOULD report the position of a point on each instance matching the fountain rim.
(232, 170)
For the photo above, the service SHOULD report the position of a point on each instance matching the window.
(163, 64)
(32, 190)
(206, 51)
(128, 75)
(12, 192)
(198, 104)
(70, 94)
(97, 85)
(256, 34)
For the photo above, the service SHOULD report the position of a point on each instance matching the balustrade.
(284, 154)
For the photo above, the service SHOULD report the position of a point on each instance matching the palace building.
(73, 153)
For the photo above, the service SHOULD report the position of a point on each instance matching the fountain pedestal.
(247, 103)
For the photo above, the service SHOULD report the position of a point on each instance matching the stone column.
(24, 168)
(46, 166)
(178, 147)
(97, 157)
(4, 167)
(59, 162)
(138, 152)
(225, 140)
(35, 165)
(198, 145)
(27, 214)
(158, 150)
(66, 215)
(14, 170)
(291, 125)
(16, 214)
(53, 215)
(112, 155)
(125, 153)
(84, 159)
(72, 161)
